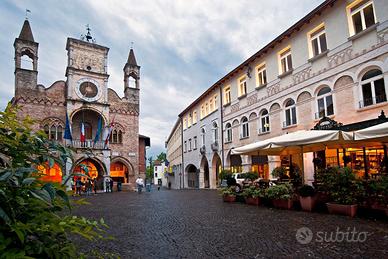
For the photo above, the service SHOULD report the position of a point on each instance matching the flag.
(99, 129)
(68, 129)
(108, 131)
(82, 132)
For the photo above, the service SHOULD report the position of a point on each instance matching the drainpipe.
(222, 130)
(183, 165)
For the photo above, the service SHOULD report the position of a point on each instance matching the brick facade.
(87, 100)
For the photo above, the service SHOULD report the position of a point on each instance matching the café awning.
(303, 140)
(376, 132)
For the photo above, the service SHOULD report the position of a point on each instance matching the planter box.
(282, 204)
(252, 201)
(348, 210)
(229, 198)
(307, 203)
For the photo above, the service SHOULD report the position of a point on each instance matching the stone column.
(308, 167)
(68, 166)
(106, 161)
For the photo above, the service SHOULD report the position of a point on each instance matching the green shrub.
(35, 216)
(306, 191)
(280, 192)
(341, 185)
(225, 174)
(279, 172)
(253, 192)
(251, 176)
(228, 191)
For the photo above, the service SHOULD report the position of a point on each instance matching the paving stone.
(197, 224)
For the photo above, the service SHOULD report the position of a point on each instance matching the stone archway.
(205, 171)
(192, 176)
(122, 170)
(96, 169)
(216, 169)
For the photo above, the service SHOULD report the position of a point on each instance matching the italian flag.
(82, 132)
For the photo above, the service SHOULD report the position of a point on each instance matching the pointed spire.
(131, 58)
(26, 32)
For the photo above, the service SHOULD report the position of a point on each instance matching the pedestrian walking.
(140, 184)
(95, 186)
(107, 184)
(111, 185)
(89, 187)
(78, 186)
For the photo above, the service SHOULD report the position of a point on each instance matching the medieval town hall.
(104, 127)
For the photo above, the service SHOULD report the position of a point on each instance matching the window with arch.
(215, 131)
(264, 122)
(116, 136)
(244, 128)
(290, 113)
(53, 130)
(373, 88)
(228, 133)
(203, 136)
(325, 103)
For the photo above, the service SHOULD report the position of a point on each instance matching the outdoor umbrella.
(295, 142)
(379, 131)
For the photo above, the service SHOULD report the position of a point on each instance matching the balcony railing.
(263, 130)
(88, 144)
(371, 101)
(288, 123)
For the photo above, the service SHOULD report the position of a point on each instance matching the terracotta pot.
(229, 198)
(252, 201)
(307, 203)
(282, 204)
(322, 197)
(348, 210)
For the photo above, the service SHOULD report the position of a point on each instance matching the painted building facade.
(333, 63)
(92, 108)
(175, 174)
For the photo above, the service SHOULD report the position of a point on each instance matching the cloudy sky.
(182, 46)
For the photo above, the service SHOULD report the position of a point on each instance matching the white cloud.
(182, 46)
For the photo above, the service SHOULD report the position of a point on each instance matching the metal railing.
(88, 144)
(263, 130)
(371, 101)
(289, 123)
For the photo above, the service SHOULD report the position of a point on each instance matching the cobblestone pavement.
(197, 224)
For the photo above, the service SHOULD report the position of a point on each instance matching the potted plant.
(307, 197)
(228, 194)
(253, 195)
(280, 173)
(377, 194)
(344, 191)
(281, 195)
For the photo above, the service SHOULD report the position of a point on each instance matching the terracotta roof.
(26, 33)
(131, 58)
(296, 27)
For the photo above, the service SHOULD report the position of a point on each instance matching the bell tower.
(131, 79)
(26, 60)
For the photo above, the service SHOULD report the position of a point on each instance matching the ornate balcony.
(202, 150)
(88, 144)
(214, 146)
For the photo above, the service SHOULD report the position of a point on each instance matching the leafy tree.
(161, 157)
(35, 216)
(150, 168)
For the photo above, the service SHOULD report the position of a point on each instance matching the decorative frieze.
(273, 89)
(235, 107)
(302, 75)
(341, 57)
(252, 99)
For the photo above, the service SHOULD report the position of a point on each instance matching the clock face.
(88, 90)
